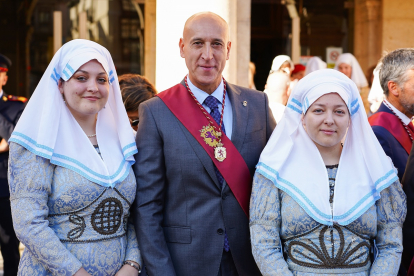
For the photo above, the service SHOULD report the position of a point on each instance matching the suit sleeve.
(7, 127)
(408, 229)
(383, 141)
(270, 120)
(151, 183)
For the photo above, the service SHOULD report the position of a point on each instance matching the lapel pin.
(245, 103)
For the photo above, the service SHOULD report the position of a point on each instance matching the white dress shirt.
(218, 94)
(401, 115)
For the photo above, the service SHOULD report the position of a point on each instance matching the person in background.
(11, 107)
(70, 175)
(298, 72)
(376, 94)
(276, 88)
(135, 89)
(323, 203)
(314, 63)
(283, 64)
(252, 72)
(348, 64)
(198, 144)
(392, 124)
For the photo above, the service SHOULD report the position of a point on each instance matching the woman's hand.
(127, 270)
(82, 272)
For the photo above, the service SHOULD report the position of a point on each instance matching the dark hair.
(135, 89)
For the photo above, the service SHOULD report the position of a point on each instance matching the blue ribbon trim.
(375, 193)
(85, 168)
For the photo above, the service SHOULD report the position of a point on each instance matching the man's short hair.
(395, 66)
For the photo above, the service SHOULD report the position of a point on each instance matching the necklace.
(212, 135)
(90, 136)
(405, 127)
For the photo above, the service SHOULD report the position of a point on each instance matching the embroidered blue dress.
(66, 221)
(310, 248)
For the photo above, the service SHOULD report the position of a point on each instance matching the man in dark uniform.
(11, 107)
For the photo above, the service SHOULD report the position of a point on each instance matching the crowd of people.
(106, 176)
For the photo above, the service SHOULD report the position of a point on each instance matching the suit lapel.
(240, 115)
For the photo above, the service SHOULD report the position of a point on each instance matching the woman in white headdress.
(282, 63)
(349, 65)
(322, 203)
(376, 94)
(71, 182)
(314, 64)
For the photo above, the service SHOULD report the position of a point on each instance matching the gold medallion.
(220, 153)
(209, 135)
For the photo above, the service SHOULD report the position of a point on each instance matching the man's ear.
(393, 88)
(181, 45)
(228, 50)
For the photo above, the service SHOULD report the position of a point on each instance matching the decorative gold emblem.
(220, 153)
(210, 136)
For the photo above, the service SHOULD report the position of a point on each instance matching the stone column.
(367, 43)
(150, 41)
(397, 24)
(170, 19)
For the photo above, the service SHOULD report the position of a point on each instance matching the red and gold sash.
(393, 124)
(183, 106)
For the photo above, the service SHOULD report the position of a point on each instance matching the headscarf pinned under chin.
(293, 163)
(357, 75)
(48, 129)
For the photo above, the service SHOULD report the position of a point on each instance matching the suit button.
(220, 231)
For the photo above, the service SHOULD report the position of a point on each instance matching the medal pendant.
(220, 153)
(209, 136)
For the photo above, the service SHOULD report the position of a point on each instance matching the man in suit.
(392, 122)
(408, 228)
(198, 145)
(11, 107)
(394, 129)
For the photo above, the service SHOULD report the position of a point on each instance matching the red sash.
(234, 169)
(393, 124)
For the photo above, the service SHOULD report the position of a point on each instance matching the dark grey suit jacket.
(180, 210)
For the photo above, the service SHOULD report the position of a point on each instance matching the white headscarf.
(279, 60)
(313, 64)
(376, 93)
(357, 75)
(48, 129)
(293, 163)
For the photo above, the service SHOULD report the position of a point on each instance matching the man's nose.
(207, 52)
